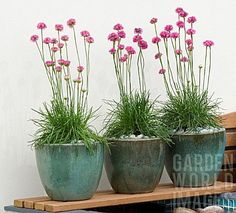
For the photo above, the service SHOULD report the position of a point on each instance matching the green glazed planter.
(195, 160)
(134, 166)
(70, 171)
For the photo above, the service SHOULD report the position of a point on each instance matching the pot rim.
(209, 132)
(69, 144)
(133, 139)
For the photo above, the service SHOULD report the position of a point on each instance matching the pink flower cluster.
(208, 43)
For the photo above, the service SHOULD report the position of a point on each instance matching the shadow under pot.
(134, 165)
(195, 159)
(70, 171)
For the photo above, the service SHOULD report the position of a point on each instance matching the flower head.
(153, 20)
(180, 24)
(71, 22)
(54, 49)
(184, 59)
(118, 27)
(158, 56)
(168, 28)
(165, 34)
(124, 58)
(179, 9)
(191, 31)
(77, 80)
(137, 38)
(174, 35)
(112, 51)
(60, 45)
(138, 30)
(183, 14)
(54, 41)
(130, 50)
(47, 40)
(34, 38)
(59, 27)
(162, 71)
(121, 34)
(41, 26)
(85, 33)
(90, 40)
(49, 63)
(65, 38)
(178, 52)
(155, 40)
(208, 43)
(189, 42)
(191, 19)
(121, 46)
(66, 63)
(113, 37)
(60, 61)
(143, 44)
(58, 68)
(80, 68)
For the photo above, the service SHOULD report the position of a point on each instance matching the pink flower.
(155, 40)
(90, 40)
(60, 61)
(208, 43)
(162, 71)
(158, 55)
(112, 51)
(191, 31)
(80, 68)
(49, 63)
(138, 30)
(121, 46)
(118, 27)
(41, 26)
(183, 14)
(77, 80)
(174, 35)
(54, 49)
(66, 63)
(124, 58)
(190, 47)
(168, 28)
(65, 38)
(153, 20)
(53, 40)
(179, 9)
(113, 37)
(143, 44)
(85, 33)
(60, 45)
(130, 50)
(184, 59)
(121, 34)
(34, 38)
(71, 22)
(47, 40)
(58, 68)
(165, 34)
(189, 42)
(137, 38)
(192, 19)
(59, 27)
(178, 52)
(180, 24)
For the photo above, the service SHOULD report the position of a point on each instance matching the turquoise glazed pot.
(70, 171)
(195, 160)
(135, 166)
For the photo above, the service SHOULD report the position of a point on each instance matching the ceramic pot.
(195, 159)
(134, 165)
(70, 171)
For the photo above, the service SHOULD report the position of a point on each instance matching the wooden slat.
(20, 203)
(161, 193)
(231, 139)
(30, 203)
(227, 175)
(229, 120)
(40, 205)
(229, 157)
